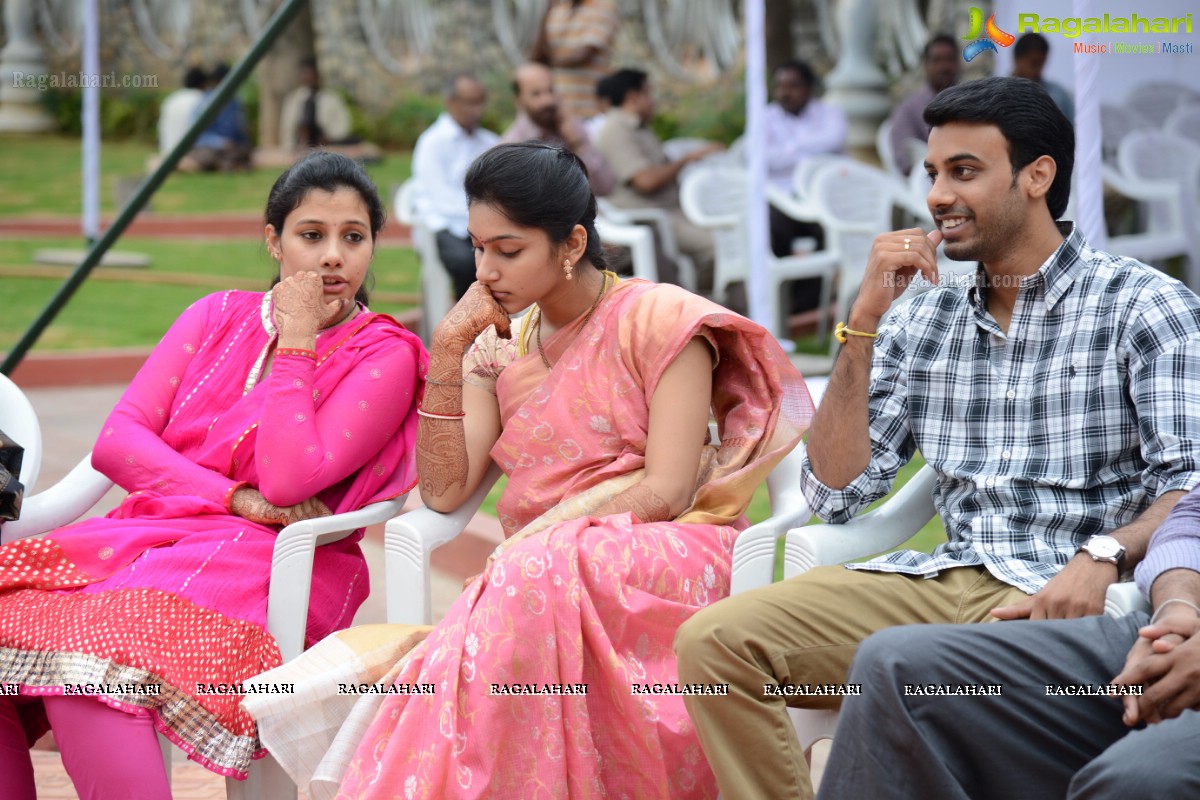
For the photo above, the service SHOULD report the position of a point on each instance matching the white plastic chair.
(1185, 122)
(661, 223)
(1162, 172)
(1154, 102)
(1116, 122)
(716, 198)
(888, 526)
(437, 290)
(412, 537)
(640, 241)
(883, 147)
(20, 423)
(854, 203)
(291, 572)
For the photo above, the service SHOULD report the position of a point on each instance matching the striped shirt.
(569, 28)
(1066, 427)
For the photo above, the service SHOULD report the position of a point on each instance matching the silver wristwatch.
(1105, 548)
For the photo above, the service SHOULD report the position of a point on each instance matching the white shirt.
(818, 129)
(175, 117)
(440, 161)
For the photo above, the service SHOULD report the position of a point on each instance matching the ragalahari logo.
(994, 36)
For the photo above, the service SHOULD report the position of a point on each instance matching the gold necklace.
(537, 324)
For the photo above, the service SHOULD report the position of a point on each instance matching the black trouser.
(459, 257)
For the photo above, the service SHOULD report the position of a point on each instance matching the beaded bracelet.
(1166, 603)
(422, 412)
(296, 351)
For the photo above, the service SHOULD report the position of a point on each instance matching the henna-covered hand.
(248, 503)
(641, 500)
(300, 306)
(471, 316)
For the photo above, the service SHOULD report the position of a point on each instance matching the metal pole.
(223, 93)
(91, 122)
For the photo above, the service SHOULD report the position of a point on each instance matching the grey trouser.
(1023, 744)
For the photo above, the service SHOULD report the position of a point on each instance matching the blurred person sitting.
(317, 117)
(440, 161)
(942, 63)
(225, 144)
(594, 123)
(798, 126)
(645, 176)
(1029, 60)
(540, 117)
(179, 108)
(255, 411)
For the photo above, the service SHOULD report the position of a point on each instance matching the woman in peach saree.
(620, 518)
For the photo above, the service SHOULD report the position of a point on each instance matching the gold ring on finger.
(907, 242)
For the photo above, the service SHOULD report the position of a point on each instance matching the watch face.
(1103, 546)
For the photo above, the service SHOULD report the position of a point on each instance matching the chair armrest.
(894, 522)
(1140, 188)
(791, 205)
(61, 504)
(639, 239)
(408, 541)
(292, 563)
(1124, 598)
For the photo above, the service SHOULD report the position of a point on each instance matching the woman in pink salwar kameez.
(549, 670)
(255, 410)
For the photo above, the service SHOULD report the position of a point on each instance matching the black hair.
(450, 85)
(1031, 43)
(195, 78)
(1028, 119)
(941, 38)
(537, 185)
(308, 62)
(218, 73)
(624, 81)
(604, 88)
(325, 171)
(801, 68)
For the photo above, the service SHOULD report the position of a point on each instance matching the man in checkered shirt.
(1058, 400)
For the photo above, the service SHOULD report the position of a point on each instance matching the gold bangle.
(841, 332)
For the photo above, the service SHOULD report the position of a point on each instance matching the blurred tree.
(780, 46)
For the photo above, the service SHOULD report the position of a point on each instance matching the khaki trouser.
(802, 631)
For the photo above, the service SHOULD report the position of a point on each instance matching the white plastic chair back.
(883, 146)
(1116, 122)
(715, 197)
(19, 421)
(807, 169)
(437, 290)
(1185, 122)
(855, 202)
(1154, 102)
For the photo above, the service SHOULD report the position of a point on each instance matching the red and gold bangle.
(296, 351)
(422, 412)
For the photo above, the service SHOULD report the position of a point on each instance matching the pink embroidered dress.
(151, 605)
(574, 600)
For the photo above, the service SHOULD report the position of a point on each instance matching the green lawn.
(42, 176)
(136, 314)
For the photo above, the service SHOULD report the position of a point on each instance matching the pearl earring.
(568, 268)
